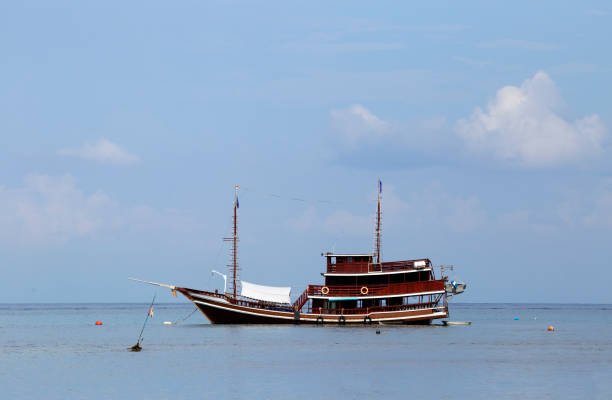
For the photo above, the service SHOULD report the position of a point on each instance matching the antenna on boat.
(377, 245)
(234, 239)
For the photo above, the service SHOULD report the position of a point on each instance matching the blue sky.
(123, 128)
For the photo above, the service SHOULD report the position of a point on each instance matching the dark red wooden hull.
(225, 316)
(220, 311)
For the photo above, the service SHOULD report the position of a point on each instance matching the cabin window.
(349, 259)
(333, 260)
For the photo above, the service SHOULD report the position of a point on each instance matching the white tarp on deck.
(273, 294)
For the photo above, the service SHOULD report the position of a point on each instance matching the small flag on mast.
(150, 313)
(379, 186)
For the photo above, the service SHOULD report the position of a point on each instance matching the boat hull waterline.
(220, 311)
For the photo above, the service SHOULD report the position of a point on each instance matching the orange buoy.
(98, 322)
(551, 328)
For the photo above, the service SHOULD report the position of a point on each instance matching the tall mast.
(235, 244)
(378, 223)
(233, 267)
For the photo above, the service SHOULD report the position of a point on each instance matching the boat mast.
(233, 267)
(235, 244)
(378, 223)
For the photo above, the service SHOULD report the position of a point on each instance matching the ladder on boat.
(299, 303)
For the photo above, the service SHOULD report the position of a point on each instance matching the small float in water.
(452, 323)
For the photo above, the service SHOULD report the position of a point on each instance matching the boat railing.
(365, 267)
(375, 290)
(259, 304)
(351, 267)
(431, 303)
(407, 264)
(368, 310)
(427, 302)
(300, 301)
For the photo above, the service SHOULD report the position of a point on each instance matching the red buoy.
(98, 322)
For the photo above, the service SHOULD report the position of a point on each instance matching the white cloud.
(356, 124)
(103, 151)
(357, 128)
(522, 125)
(51, 210)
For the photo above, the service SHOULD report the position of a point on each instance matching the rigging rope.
(302, 200)
(183, 320)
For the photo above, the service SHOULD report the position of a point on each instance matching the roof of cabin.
(346, 255)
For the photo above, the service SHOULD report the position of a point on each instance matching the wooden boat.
(358, 289)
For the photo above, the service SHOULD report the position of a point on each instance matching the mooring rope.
(183, 320)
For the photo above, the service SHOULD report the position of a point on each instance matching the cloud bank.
(51, 210)
(523, 125)
(103, 151)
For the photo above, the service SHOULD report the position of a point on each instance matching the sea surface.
(54, 351)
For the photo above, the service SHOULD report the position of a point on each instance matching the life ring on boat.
(367, 320)
(341, 320)
(364, 290)
(324, 290)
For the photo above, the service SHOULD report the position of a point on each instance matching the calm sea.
(51, 351)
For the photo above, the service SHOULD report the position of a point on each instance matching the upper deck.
(362, 264)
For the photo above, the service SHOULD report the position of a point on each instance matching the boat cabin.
(354, 281)
(348, 263)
